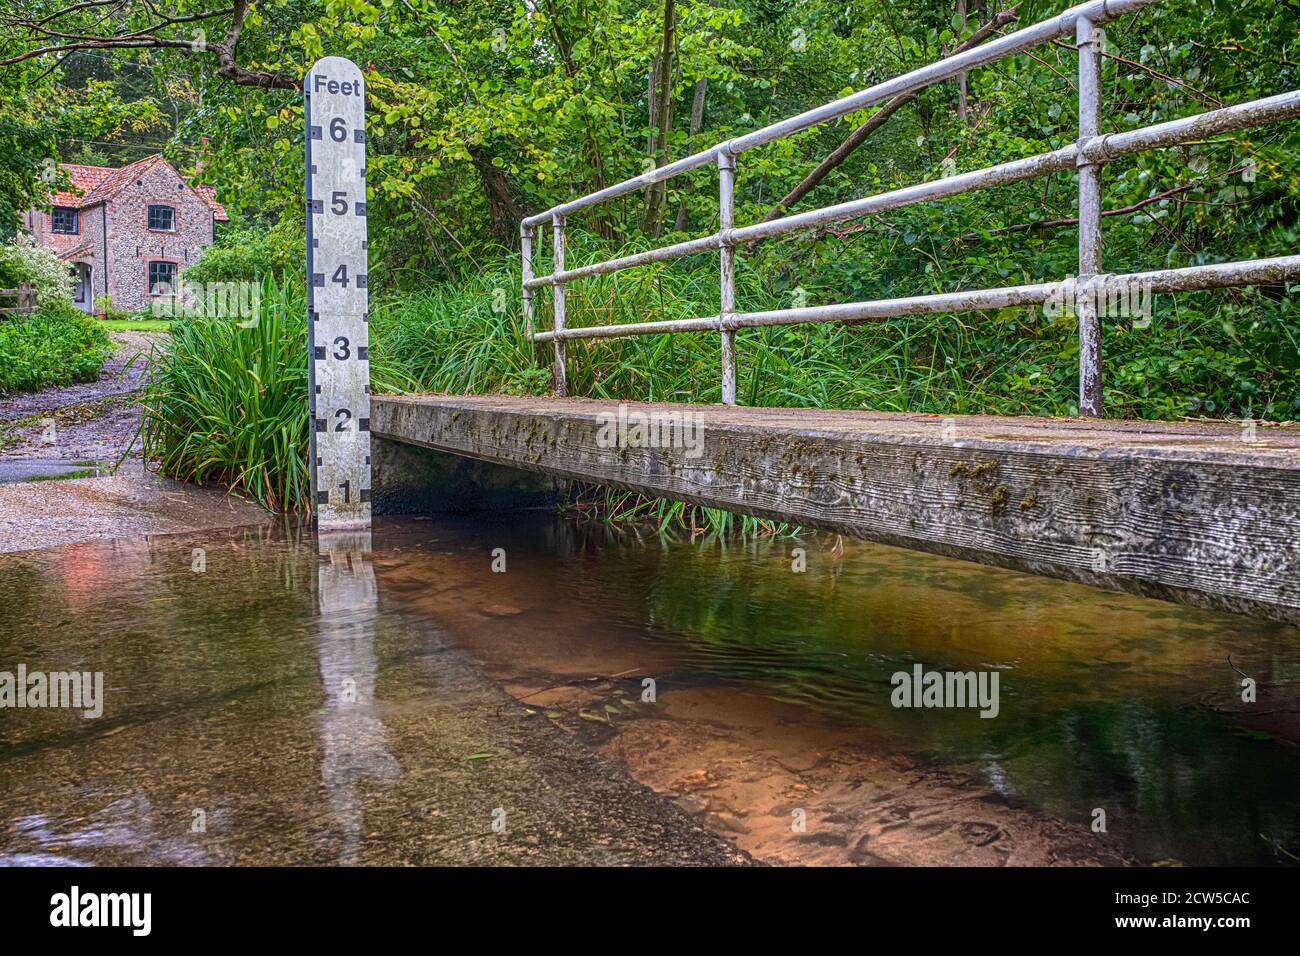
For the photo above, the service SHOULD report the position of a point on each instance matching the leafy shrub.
(22, 261)
(243, 259)
(56, 345)
(248, 255)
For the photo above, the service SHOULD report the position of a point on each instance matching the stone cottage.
(127, 233)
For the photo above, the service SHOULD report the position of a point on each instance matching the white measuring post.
(337, 294)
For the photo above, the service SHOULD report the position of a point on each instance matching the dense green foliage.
(41, 118)
(1237, 358)
(56, 345)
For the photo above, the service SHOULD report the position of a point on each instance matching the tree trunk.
(503, 211)
(697, 121)
(961, 77)
(571, 68)
(601, 222)
(652, 107)
(653, 222)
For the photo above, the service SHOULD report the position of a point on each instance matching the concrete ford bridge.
(1200, 514)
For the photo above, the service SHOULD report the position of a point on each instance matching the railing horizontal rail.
(1188, 279)
(1097, 11)
(659, 254)
(1099, 149)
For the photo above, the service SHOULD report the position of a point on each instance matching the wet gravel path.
(122, 373)
(49, 432)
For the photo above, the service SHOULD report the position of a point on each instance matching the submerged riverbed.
(347, 708)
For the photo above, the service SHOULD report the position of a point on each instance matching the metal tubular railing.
(1088, 156)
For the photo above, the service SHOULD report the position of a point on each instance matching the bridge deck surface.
(1191, 512)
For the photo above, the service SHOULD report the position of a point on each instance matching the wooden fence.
(24, 298)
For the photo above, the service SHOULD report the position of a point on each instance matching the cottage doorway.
(81, 287)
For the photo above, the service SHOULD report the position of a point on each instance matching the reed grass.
(226, 402)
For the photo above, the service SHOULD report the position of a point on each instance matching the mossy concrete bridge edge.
(1202, 514)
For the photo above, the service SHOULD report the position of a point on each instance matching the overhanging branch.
(147, 38)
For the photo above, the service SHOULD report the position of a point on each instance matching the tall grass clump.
(468, 337)
(455, 339)
(227, 403)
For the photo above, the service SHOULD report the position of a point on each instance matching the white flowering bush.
(24, 261)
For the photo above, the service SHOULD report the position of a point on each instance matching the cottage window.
(162, 218)
(63, 219)
(162, 278)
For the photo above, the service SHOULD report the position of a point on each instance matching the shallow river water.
(335, 708)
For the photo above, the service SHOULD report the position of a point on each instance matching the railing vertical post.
(526, 254)
(726, 220)
(1087, 304)
(557, 258)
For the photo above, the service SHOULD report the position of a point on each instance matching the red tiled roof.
(84, 181)
(210, 194)
(95, 184)
(98, 183)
